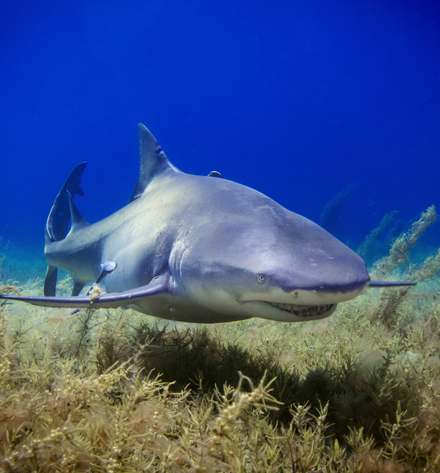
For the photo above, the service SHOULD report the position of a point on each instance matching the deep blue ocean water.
(297, 99)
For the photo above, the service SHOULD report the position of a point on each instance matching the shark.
(197, 249)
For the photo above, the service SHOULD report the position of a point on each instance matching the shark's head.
(272, 263)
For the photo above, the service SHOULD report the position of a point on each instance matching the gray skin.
(198, 249)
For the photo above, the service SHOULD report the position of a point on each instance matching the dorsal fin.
(153, 161)
(77, 219)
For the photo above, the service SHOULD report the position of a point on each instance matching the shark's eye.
(260, 278)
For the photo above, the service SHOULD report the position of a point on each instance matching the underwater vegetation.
(118, 391)
(372, 245)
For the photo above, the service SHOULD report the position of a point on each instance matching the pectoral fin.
(391, 283)
(158, 285)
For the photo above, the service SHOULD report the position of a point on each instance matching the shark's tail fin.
(58, 220)
(59, 215)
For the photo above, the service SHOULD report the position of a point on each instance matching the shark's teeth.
(303, 310)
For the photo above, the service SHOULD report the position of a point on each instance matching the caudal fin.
(58, 220)
(59, 215)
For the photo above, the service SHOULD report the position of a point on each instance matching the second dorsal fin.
(153, 161)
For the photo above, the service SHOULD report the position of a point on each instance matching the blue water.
(297, 99)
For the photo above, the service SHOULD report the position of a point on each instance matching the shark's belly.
(179, 309)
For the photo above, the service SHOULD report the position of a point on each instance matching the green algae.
(399, 251)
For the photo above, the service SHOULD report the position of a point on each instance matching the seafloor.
(117, 391)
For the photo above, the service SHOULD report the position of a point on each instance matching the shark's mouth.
(306, 311)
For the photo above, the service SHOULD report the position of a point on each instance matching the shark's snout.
(319, 279)
(350, 285)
